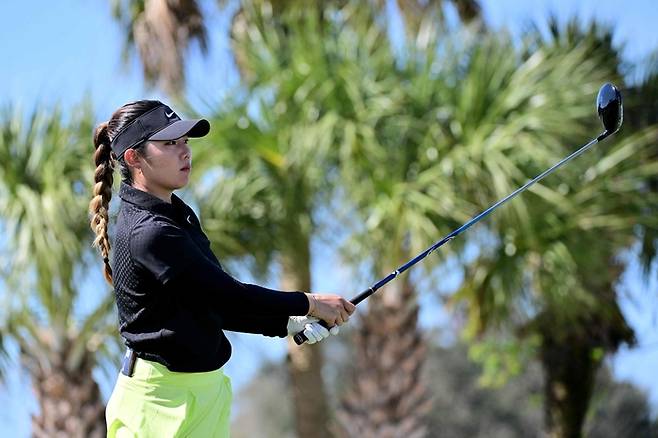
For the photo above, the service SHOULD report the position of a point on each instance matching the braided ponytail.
(105, 160)
(100, 203)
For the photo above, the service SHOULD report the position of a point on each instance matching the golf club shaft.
(372, 289)
(300, 338)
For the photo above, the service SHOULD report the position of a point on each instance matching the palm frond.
(161, 31)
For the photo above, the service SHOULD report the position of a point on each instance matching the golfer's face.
(169, 164)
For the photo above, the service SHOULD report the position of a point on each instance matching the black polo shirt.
(174, 298)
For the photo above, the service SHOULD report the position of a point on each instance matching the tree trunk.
(70, 403)
(570, 369)
(571, 355)
(414, 13)
(388, 397)
(310, 408)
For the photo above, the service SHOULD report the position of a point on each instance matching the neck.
(158, 192)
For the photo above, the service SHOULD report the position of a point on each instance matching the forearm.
(232, 299)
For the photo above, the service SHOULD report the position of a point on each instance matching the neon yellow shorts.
(156, 402)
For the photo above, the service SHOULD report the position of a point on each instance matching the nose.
(186, 151)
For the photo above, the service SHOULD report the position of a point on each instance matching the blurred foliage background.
(374, 143)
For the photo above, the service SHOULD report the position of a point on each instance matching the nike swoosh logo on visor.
(169, 115)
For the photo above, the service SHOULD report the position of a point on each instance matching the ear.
(132, 158)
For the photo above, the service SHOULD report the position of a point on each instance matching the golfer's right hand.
(333, 309)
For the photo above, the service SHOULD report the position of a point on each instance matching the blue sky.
(60, 51)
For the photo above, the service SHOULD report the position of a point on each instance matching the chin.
(176, 186)
(181, 181)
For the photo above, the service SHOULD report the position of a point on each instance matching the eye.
(170, 143)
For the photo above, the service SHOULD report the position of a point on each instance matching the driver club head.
(610, 109)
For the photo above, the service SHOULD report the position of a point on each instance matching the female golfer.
(174, 299)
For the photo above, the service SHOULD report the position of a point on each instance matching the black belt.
(128, 364)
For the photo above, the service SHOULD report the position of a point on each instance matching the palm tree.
(137, 17)
(388, 395)
(262, 211)
(413, 13)
(394, 162)
(346, 82)
(45, 174)
(486, 107)
(559, 288)
(161, 31)
(319, 94)
(504, 97)
(549, 266)
(275, 162)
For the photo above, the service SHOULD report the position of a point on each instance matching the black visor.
(160, 123)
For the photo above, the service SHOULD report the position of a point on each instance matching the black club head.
(610, 108)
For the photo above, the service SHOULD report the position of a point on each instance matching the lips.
(185, 168)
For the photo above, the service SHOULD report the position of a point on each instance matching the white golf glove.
(312, 329)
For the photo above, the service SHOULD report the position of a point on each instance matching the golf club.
(610, 110)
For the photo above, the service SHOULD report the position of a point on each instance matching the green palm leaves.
(404, 146)
(42, 184)
(45, 176)
(36, 152)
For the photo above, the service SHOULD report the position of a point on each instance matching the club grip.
(301, 338)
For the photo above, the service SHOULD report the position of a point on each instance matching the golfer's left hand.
(312, 329)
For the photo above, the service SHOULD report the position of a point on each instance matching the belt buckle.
(128, 364)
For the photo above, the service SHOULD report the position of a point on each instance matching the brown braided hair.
(104, 160)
